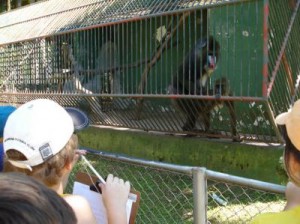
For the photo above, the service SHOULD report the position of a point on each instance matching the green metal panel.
(239, 29)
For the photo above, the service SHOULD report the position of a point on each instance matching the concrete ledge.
(255, 161)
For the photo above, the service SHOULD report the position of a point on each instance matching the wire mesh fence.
(170, 194)
(210, 68)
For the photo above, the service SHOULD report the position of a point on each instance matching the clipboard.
(86, 179)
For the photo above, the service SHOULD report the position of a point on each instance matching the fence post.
(199, 195)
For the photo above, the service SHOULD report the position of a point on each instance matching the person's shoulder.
(74, 198)
(77, 201)
(81, 208)
(290, 216)
(264, 218)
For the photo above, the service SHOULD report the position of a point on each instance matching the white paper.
(96, 202)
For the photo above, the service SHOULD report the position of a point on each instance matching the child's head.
(25, 200)
(39, 139)
(291, 131)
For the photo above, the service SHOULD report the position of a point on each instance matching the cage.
(212, 68)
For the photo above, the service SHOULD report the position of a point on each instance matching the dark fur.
(193, 108)
(187, 80)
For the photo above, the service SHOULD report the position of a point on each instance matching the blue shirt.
(5, 111)
(1, 156)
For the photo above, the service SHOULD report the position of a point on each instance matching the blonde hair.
(50, 172)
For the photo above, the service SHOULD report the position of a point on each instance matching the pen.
(131, 196)
(93, 169)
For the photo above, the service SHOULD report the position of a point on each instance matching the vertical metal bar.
(136, 57)
(171, 52)
(144, 55)
(162, 62)
(124, 57)
(179, 38)
(145, 89)
(151, 41)
(183, 52)
(265, 49)
(132, 77)
(199, 195)
(273, 123)
(156, 46)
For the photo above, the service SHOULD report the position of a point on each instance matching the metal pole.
(199, 195)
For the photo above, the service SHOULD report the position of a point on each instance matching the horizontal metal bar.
(213, 175)
(275, 188)
(166, 96)
(178, 168)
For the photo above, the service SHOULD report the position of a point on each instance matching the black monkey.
(192, 76)
(193, 108)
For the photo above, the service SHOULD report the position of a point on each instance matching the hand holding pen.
(115, 194)
(114, 180)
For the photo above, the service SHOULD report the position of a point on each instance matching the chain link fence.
(183, 194)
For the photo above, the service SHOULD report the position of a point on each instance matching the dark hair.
(25, 200)
(291, 158)
(289, 146)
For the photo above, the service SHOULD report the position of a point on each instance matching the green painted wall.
(239, 30)
(251, 161)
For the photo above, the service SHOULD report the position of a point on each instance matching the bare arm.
(81, 208)
(115, 195)
(292, 194)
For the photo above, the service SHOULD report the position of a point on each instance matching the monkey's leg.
(206, 120)
(115, 83)
(189, 123)
(188, 107)
(230, 106)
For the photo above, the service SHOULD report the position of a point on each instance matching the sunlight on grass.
(234, 214)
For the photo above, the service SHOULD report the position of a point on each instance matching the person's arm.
(82, 209)
(292, 194)
(115, 195)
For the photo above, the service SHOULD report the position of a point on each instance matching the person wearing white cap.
(290, 123)
(39, 140)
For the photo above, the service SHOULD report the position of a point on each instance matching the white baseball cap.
(291, 120)
(39, 129)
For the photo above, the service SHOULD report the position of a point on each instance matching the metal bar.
(265, 49)
(275, 188)
(200, 97)
(177, 168)
(272, 119)
(199, 195)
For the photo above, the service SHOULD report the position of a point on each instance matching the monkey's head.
(213, 51)
(210, 53)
